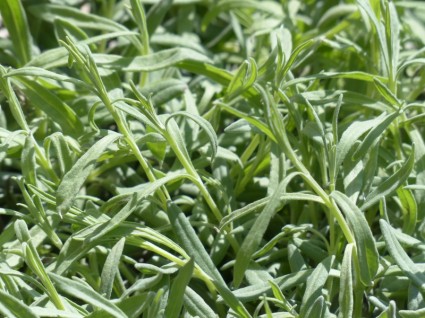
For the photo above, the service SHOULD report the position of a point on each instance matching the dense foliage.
(201, 158)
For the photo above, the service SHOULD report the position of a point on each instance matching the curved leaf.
(390, 184)
(368, 257)
(14, 18)
(75, 178)
(12, 307)
(84, 292)
(53, 106)
(203, 123)
(400, 256)
(193, 246)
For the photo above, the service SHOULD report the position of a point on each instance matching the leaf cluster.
(199, 158)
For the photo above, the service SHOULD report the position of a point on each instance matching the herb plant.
(200, 158)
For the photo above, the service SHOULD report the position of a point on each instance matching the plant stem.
(192, 172)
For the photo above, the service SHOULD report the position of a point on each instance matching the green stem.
(44, 163)
(122, 127)
(329, 203)
(90, 67)
(33, 260)
(140, 18)
(276, 122)
(196, 178)
(18, 114)
(198, 273)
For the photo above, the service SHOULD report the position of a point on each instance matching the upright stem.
(90, 68)
(276, 123)
(122, 127)
(192, 172)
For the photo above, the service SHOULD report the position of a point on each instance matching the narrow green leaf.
(203, 123)
(52, 312)
(401, 258)
(409, 62)
(409, 241)
(295, 258)
(346, 300)
(370, 169)
(193, 246)
(335, 119)
(157, 147)
(253, 292)
(379, 29)
(386, 93)
(24, 277)
(415, 187)
(177, 291)
(318, 308)
(65, 29)
(393, 36)
(390, 311)
(63, 153)
(14, 18)
(103, 228)
(161, 92)
(250, 119)
(21, 231)
(143, 284)
(267, 308)
(37, 236)
(14, 105)
(175, 134)
(278, 294)
(409, 209)
(58, 56)
(53, 106)
(196, 305)
(32, 259)
(85, 293)
(243, 79)
(238, 31)
(294, 54)
(314, 287)
(110, 268)
(135, 113)
(354, 178)
(368, 257)
(373, 136)
(12, 307)
(277, 168)
(50, 12)
(156, 14)
(140, 18)
(255, 235)
(155, 308)
(41, 72)
(351, 135)
(75, 178)
(35, 264)
(356, 75)
(143, 190)
(335, 13)
(28, 161)
(412, 313)
(133, 306)
(415, 299)
(151, 62)
(269, 7)
(310, 249)
(391, 184)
